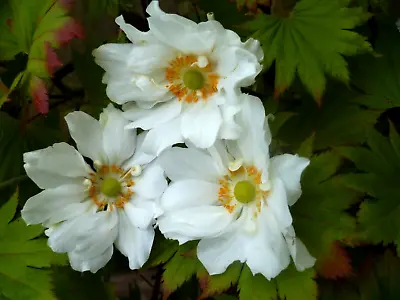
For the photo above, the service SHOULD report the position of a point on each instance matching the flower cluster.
(180, 82)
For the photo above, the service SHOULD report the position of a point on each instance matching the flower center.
(244, 191)
(193, 79)
(111, 187)
(242, 187)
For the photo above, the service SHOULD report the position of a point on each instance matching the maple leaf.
(319, 216)
(336, 122)
(383, 91)
(380, 164)
(336, 263)
(216, 284)
(311, 41)
(181, 267)
(37, 28)
(256, 287)
(22, 255)
(380, 278)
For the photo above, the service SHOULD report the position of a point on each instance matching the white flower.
(236, 200)
(88, 210)
(180, 80)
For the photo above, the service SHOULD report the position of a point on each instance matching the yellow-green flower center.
(244, 191)
(110, 187)
(193, 79)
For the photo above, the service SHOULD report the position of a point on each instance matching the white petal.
(113, 57)
(188, 163)
(301, 257)
(150, 118)
(201, 124)
(189, 193)
(252, 144)
(118, 143)
(288, 168)
(229, 128)
(131, 87)
(48, 203)
(97, 234)
(88, 235)
(140, 212)
(254, 47)
(238, 66)
(266, 251)
(145, 58)
(162, 137)
(220, 155)
(92, 264)
(139, 157)
(133, 242)
(152, 183)
(87, 133)
(133, 34)
(55, 165)
(218, 253)
(178, 32)
(277, 203)
(195, 223)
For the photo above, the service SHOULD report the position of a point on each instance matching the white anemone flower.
(181, 80)
(87, 210)
(235, 200)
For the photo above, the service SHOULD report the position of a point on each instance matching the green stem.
(12, 181)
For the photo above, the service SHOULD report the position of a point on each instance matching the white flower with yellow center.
(180, 80)
(88, 209)
(236, 200)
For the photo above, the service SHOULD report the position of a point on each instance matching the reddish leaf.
(39, 95)
(67, 4)
(71, 29)
(52, 60)
(336, 264)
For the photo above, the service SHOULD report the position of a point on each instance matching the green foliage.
(337, 122)
(216, 284)
(69, 284)
(35, 28)
(381, 282)
(255, 287)
(295, 285)
(378, 217)
(382, 91)
(310, 40)
(22, 256)
(319, 215)
(17, 138)
(182, 266)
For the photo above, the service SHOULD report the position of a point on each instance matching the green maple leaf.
(255, 287)
(319, 216)
(336, 122)
(311, 41)
(181, 267)
(378, 217)
(21, 256)
(381, 280)
(295, 285)
(216, 284)
(383, 91)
